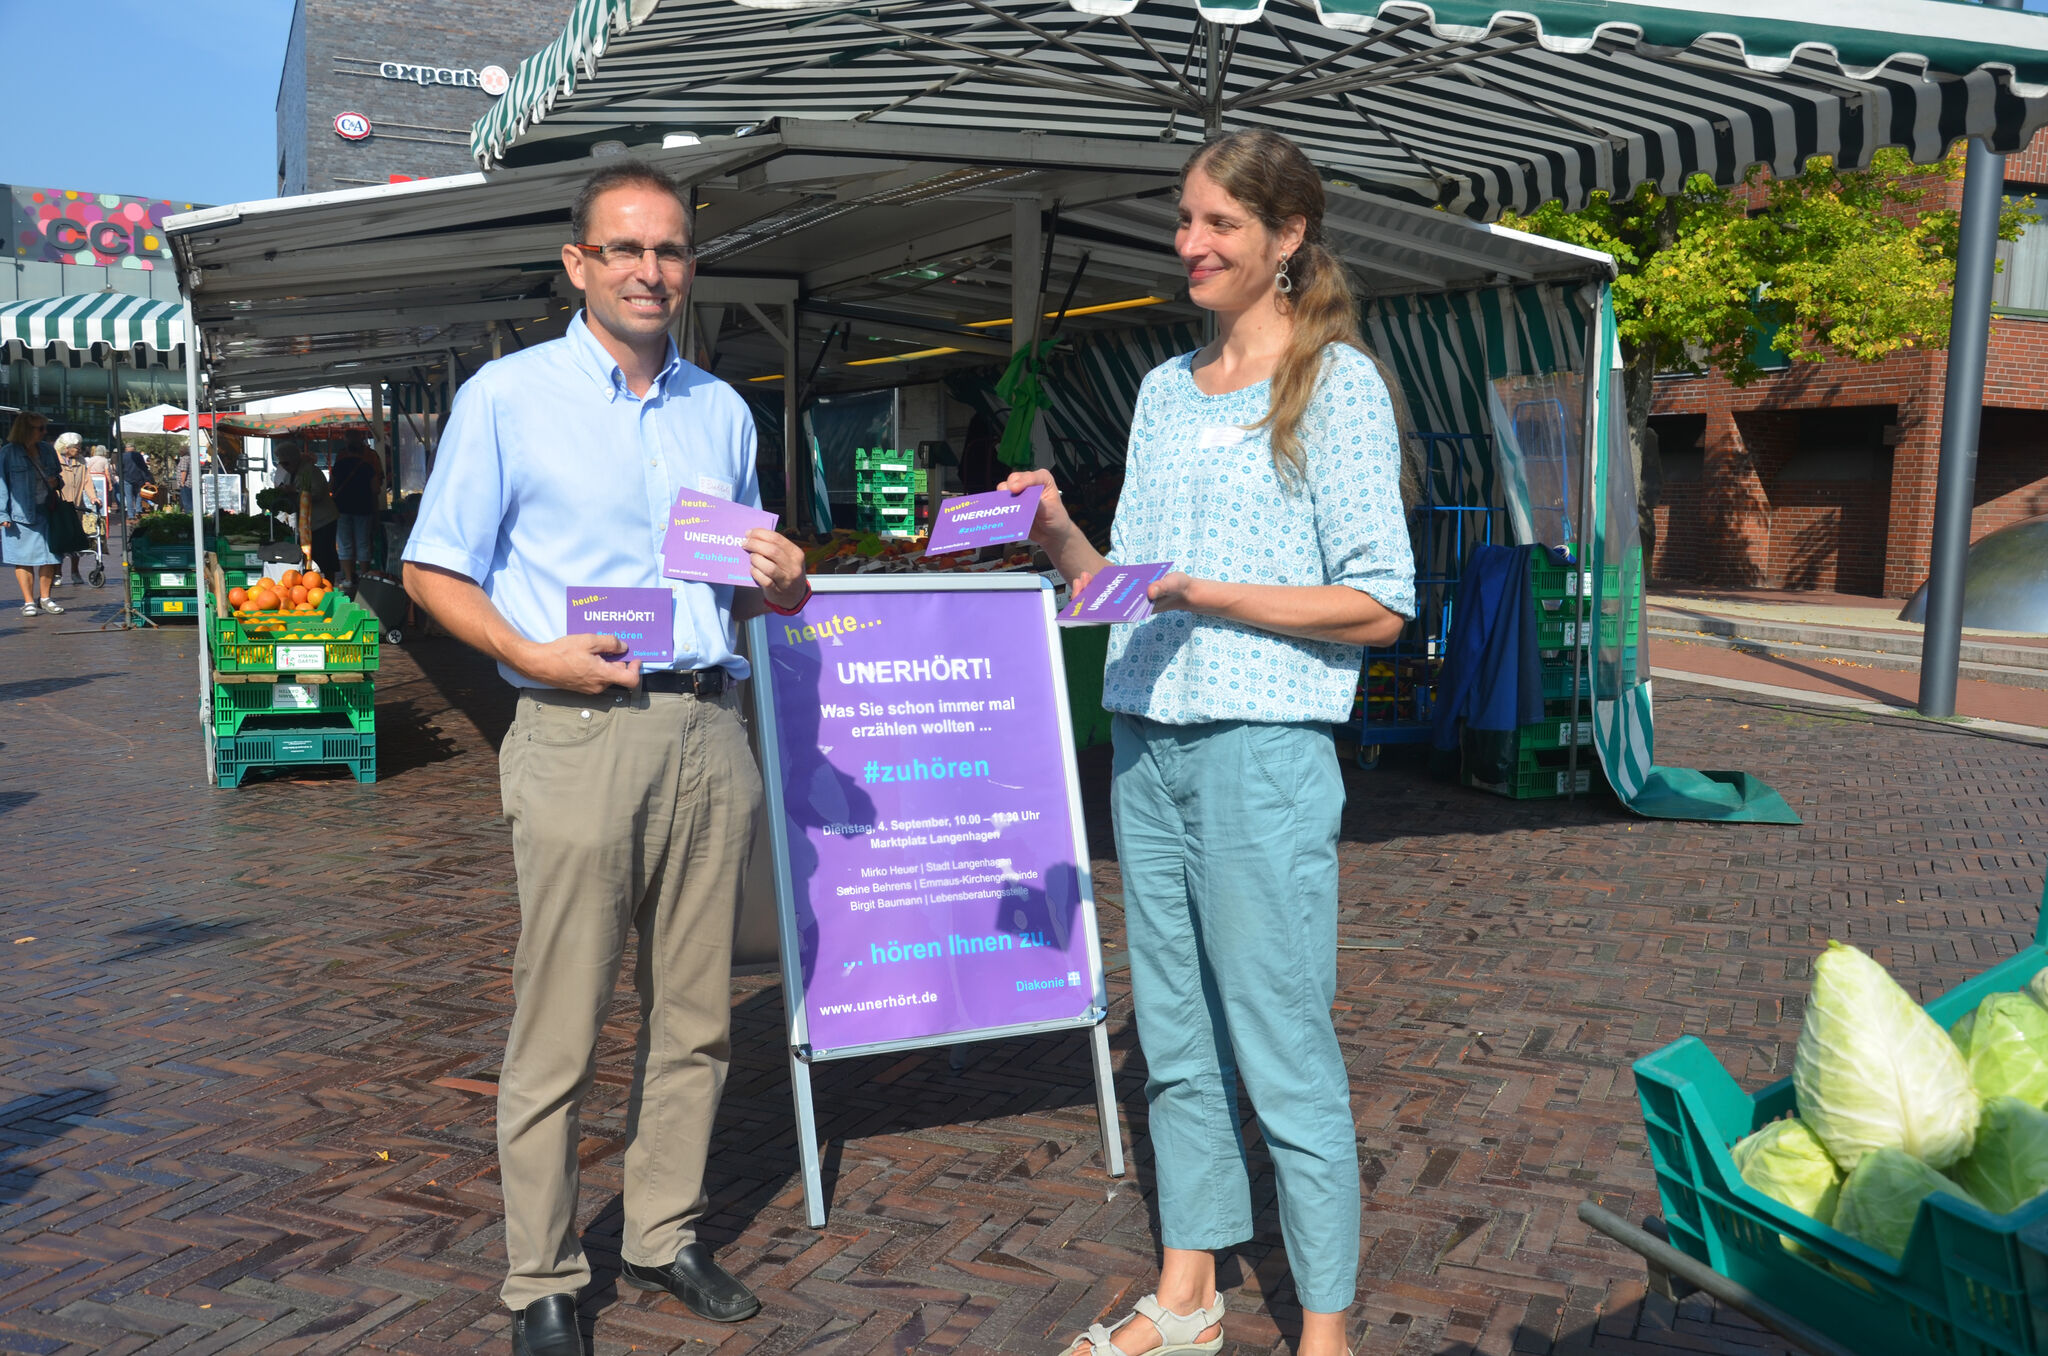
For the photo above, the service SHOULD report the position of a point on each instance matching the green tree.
(1828, 263)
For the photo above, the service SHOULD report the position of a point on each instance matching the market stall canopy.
(1454, 104)
(151, 420)
(337, 420)
(89, 325)
(182, 422)
(896, 240)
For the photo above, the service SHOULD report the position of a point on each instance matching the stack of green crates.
(163, 579)
(1542, 766)
(300, 696)
(886, 489)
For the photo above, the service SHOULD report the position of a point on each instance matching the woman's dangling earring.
(1281, 282)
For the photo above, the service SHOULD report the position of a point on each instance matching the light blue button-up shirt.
(552, 475)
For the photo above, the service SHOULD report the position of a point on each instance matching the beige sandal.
(1177, 1332)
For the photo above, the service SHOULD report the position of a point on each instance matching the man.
(298, 471)
(630, 788)
(135, 473)
(357, 478)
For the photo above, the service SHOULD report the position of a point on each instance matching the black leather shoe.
(707, 1288)
(547, 1327)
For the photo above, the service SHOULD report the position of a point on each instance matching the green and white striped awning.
(90, 321)
(1454, 103)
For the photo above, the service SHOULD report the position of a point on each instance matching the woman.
(71, 471)
(1266, 467)
(28, 478)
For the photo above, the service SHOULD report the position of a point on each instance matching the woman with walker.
(1265, 466)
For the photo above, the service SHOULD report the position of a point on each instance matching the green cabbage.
(2005, 1042)
(2038, 987)
(2009, 1166)
(1882, 1198)
(1787, 1162)
(1874, 1071)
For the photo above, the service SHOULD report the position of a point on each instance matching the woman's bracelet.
(780, 611)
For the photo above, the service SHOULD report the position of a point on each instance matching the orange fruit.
(313, 580)
(314, 595)
(236, 597)
(298, 595)
(288, 578)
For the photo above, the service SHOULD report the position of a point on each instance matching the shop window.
(1853, 443)
(2021, 283)
(1681, 446)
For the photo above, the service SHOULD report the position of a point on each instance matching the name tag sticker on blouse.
(712, 485)
(644, 618)
(1219, 435)
(1118, 594)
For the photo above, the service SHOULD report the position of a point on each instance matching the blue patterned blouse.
(1200, 491)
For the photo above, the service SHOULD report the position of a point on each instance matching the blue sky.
(158, 98)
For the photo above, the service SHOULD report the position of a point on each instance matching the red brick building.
(1821, 476)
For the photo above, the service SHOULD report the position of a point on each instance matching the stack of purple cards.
(1118, 594)
(706, 539)
(644, 618)
(970, 520)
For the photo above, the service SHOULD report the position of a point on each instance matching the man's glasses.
(624, 254)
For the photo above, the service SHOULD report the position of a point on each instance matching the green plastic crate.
(882, 496)
(351, 646)
(238, 707)
(235, 757)
(1546, 774)
(1557, 732)
(1971, 1283)
(1559, 629)
(883, 459)
(1549, 579)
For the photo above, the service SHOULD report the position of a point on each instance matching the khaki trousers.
(628, 809)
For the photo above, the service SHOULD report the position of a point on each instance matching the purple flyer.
(644, 618)
(706, 539)
(935, 863)
(1117, 594)
(969, 520)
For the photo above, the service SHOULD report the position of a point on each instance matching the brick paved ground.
(249, 1039)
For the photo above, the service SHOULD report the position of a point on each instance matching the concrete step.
(2009, 674)
(1975, 649)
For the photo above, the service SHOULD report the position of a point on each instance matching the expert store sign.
(932, 845)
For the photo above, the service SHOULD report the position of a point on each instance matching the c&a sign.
(106, 230)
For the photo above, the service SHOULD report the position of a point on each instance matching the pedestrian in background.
(356, 481)
(71, 470)
(100, 478)
(30, 479)
(135, 473)
(300, 473)
(1266, 466)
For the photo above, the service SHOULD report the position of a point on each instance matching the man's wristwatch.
(781, 611)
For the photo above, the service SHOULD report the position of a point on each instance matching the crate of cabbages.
(1893, 1192)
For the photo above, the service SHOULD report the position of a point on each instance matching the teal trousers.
(1227, 836)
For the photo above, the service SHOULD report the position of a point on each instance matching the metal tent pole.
(1962, 412)
(192, 437)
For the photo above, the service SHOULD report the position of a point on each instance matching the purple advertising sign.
(933, 855)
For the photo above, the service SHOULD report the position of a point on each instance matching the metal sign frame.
(795, 1006)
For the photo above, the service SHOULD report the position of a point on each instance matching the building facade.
(381, 91)
(1821, 475)
(63, 242)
